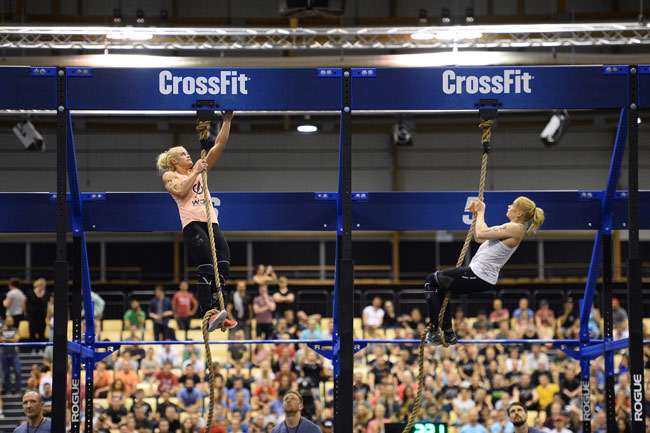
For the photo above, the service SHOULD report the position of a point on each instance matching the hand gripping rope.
(487, 118)
(202, 128)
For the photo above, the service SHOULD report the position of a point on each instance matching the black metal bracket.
(488, 108)
(205, 108)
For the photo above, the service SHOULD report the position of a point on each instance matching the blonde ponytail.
(531, 212)
(164, 160)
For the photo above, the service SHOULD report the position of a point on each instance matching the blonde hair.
(39, 282)
(531, 212)
(164, 160)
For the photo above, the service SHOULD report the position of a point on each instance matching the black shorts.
(197, 241)
(463, 281)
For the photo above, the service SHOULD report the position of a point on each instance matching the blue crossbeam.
(130, 212)
(240, 89)
(515, 87)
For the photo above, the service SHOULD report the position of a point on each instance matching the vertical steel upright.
(343, 349)
(634, 283)
(61, 264)
(610, 403)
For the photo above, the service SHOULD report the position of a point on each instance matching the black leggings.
(197, 241)
(460, 281)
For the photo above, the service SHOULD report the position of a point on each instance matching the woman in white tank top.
(498, 244)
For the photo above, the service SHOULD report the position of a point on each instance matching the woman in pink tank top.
(183, 181)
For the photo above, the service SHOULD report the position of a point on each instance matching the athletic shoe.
(216, 320)
(434, 338)
(230, 324)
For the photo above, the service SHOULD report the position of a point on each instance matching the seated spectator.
(129, 377)
(238, 385)
(116, 413)
(141, 420)
(523, 306)
(501, 423)
(162, 403)
(463, 403)
(190, 398)
(160, 311)
(167, 381)
(138, 400)
(534, 358)
(135, 316)
(312, 332)
(190, 373)
(103, 379)
(167, 354)
(526, 393)
(545, 321)
(521, 324)
(376, 424)
(481, 320)
(498, 313)
(197, 364)
(284, 297)
(148, 365)
(619, 315)
(546, 390)
(189, 350)
(237, 353)
(473, 425)
(390, 317)
(569, 321)
(117, 389)
(373, 317)
(172, 416)
(241, 406)
(34, 377)
(46, 398)
(125, 358)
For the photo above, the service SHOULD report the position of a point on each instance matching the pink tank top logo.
(192, 206)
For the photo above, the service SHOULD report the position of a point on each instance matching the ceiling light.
(139, 16)
(456, 35)
(422, 35)
(469, 16)
(422, 16)
(131, 35)
(117, 16)
(446, 16)
(307, 126)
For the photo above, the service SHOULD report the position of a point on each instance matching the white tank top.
(489, 259)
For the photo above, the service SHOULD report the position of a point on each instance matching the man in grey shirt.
(294, 422)
(14, 301)
(36, 421)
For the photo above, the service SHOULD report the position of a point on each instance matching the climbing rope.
(486, 125)
(202, 128)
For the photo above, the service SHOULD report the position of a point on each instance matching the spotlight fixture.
(164, 15)
(422, 16)
(446, 16)
(117, 16)
(139, 16)
(402, 133)
(307, 126)
(555, 128)
(29, 136)
(469, 16)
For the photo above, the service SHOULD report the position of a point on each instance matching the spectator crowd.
(164, 388)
